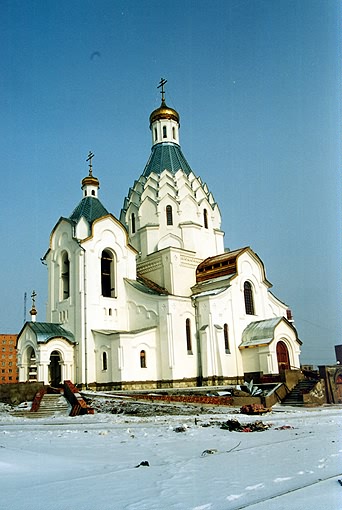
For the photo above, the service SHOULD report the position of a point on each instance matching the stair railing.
(79, 405)
(37, 400)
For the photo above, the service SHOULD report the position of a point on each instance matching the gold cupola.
(164, 112)
(164, 122)
(90, 184)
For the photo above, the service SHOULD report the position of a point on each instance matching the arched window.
(65, 275)
(226, 338)
(155, 135)
(133, 223)
(169, 218)
(104, 361)
(142, 359)
(164, 132)
(173, 133)
(248, 294)
(107, 274)
(205, 218)
(31, 365)
(188, 336)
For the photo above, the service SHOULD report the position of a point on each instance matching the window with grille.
(169, 218)
(249, 302)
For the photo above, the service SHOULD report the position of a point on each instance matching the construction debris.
(143, 463)
(134, 408)
(180, 428)
(236, 426)
(284, 427)
(254, 409)
(211, 451)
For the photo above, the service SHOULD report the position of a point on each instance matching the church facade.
(152, 299)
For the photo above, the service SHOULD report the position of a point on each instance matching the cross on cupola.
(90, 184)
(164, 121)
(161, 85)
(89, 158)
(33, 311)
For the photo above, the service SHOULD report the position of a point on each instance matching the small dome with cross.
(90, 184)
(164, 122)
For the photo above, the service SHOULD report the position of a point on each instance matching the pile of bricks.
(188, 399)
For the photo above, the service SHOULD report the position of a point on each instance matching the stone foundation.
(163, 384)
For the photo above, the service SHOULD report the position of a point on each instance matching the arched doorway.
(282, 357)
(55, 370)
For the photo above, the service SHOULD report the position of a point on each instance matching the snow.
(90, 462)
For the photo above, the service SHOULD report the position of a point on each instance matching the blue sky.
(256, 83)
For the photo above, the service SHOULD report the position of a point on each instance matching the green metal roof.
(89, 208)
(147, 286)
(260, 332)
(46, 331)
(166, 156)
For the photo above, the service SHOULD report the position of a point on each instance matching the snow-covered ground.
(90, 462)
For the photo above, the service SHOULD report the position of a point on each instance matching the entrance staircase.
(50, 405)
(295, 397)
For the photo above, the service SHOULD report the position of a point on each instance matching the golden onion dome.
(164, 112)
(90, 180)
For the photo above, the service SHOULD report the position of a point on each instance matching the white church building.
(152, 299)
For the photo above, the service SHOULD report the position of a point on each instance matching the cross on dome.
(164, 121)
(89, 158)
(161, 85)
(90, 184)
(33, 311)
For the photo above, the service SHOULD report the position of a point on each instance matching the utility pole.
(25, 304)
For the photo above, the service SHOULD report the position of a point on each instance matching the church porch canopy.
(262, 333)
(46, 331)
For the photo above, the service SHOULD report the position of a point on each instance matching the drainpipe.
(84, 316)
(198, 340)
(85, 321)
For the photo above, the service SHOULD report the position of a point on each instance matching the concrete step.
(295, 397)
(51, 405)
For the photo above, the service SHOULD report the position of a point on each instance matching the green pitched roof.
(147, 286)
(262, 332)
(259, 332)
(166, 156)
(45, 331)
(89, 208)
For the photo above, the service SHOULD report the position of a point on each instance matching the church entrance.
(282, 357)
(55, 369)
(338, 382)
